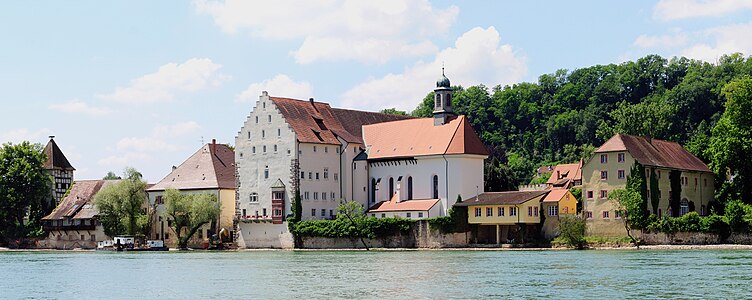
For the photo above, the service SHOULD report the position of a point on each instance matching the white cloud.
(24, 134)
(477, 57)
(280, 86)
(668, 10)
(661, 41)
(721, 40)
(79, 107)
(145, 144)
(177, 129)
(193, 75)
(327, 25)
(121, 161)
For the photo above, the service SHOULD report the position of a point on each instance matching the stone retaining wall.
(419, 236)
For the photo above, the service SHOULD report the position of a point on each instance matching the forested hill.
(565, 115)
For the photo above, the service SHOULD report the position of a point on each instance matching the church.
(393, 165)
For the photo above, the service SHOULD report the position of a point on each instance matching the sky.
(144, 83)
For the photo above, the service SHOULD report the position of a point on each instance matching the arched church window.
(438, 100)
(391, 187)
(449, 100)
(436, 186)
(409, 188)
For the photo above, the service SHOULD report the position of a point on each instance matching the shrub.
(572, 231)
(341, 227)
(713, 224)
(738, 216)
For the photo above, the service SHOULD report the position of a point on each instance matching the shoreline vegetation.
(495, 248)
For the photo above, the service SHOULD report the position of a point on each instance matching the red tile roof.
(554, 195)
(653, 152)
(419, 137)
(79, 204)
(353, 120)
(404, 205)
(566, 172)
(503, 198)
(55, 157)
(203, 170)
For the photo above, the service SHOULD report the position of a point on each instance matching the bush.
(456, 221)
(341, 227)
(572, 231)
(738, 216)
(713, 224)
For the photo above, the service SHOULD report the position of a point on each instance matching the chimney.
(174, 168)
(558, 175)
(398, 192)
(52, 137)
(214, 146)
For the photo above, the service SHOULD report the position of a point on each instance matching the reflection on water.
(378, 274)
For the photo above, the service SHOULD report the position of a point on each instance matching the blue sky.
(140, 83)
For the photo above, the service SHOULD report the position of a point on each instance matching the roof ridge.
(451, 140)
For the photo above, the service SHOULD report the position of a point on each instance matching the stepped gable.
(503, 198)
(420, 137)
(55, 157)
(654, 152)
(211, 167)
(353, 120)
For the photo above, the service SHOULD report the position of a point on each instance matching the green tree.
(425, 108)
(731, 143)
(572, 230)
(393, 111)
(189, 212)
(655, 192)
(24, 189)
(637, 182)
(122, 206)
(111, 176)
(738, 216)
(498, 177)
(354, 212)
(629, 203)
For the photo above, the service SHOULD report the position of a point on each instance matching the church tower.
(442, 107)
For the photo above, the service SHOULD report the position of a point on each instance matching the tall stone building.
(59, 169)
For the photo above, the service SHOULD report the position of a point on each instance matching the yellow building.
(611, 164)
(556, 203)
(501, 216)
(210, 170)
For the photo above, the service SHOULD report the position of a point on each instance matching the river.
(605, 274)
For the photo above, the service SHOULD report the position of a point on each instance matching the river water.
(605, 274)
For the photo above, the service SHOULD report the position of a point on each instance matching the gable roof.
(654, 152)
(404, 205)
(353, 120)
(419, 137)
(554, 195)
(55, 157)
(503, 198)
(79, 204)
(567, 172)
(212, 166)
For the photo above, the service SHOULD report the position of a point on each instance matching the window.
(302, 175)
(314, 148)
(604, 158)
(266, 172)
(159, 200)
(279, 132)
(436, 186)
(244, 212)
(500, 211)
(253, 150)
(256, 119)
(383, 215)
(323, 196)
(263, 134)
(620, 157)
(438, 100)
(326, 149)
(477, 211)
(620, 174)
(270, 118)
(409, 188)
(683, 207)
(336, 177)
(535, 211)
(317, 175)
(315, 195)
(420, 215)
(326, 173)
(553, 210)
(307, 195)
(617, 214)
(604, 175)
(391, 187)
(249, 135)
(590, 194)
(323, 212)
(605, 214)
(409, 215)
(313, 212)
(254, 197)
(513, 211)
(264, 149)
(530, 211)
(263, 104)
(589, 214)
(310, 175)
(333, 196)
(264, 210)
(275, 148)
(604, 194)
(489, 212)
(331, 213)
(373, 189)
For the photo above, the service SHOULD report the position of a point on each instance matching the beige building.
(501, 216)
(210, 170)
(610, 166)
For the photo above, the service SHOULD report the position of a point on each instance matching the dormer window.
(320, 123)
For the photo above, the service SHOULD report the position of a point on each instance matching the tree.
(498, 177)
(637, 182)
(24, 189)
(731, 143)
(354, 212)
(572, 230)
(629, 203)
(122, 206)
(111, 176)
(393, 111)
(189, 212)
